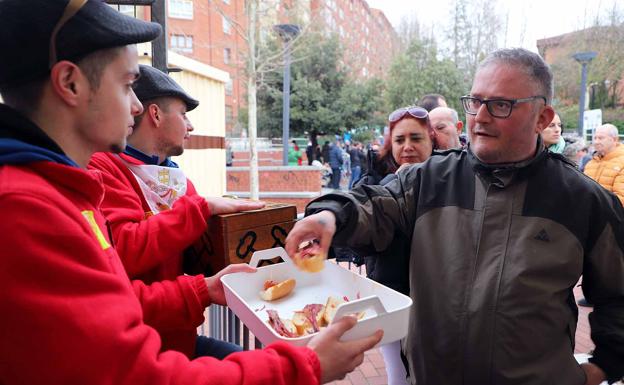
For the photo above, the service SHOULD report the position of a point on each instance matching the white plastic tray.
(385, 308)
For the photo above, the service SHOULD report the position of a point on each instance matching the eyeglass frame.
(407, 111)
(487, 102)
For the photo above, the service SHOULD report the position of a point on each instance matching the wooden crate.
(232, 238)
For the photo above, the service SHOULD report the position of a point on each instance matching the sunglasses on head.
(413, 111)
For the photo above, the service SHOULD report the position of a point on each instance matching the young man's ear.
(154, 113)
(69, 83)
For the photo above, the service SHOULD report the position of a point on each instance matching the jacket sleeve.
(144, 243)
(603, 273)
(70, 316)
(173, 305)
(618, 185)
(368, 217)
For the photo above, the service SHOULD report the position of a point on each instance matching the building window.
(181, 43)
(229, 87)
(229, 115)
(227, 26)
(128, 10)
(227, 55)
(181, 9)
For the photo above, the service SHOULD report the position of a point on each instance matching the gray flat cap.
(154, 84)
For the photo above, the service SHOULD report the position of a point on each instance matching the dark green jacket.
(495, 254)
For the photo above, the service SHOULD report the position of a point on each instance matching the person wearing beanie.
(70, 315)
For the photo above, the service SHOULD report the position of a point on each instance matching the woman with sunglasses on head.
(551, 135)
(410, 139)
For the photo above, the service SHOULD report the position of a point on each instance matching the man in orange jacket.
(70, 315)
(607, 164)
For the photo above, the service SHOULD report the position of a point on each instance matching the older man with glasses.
(500, 234)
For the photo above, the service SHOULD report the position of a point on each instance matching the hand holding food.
(310, 257)
(321, 226)
(273, 290)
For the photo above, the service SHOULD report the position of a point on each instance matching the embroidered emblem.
(542, 236)
(163, 176)
(88, 215)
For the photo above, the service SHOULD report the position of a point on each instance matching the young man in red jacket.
(70, 315)
(153, 210)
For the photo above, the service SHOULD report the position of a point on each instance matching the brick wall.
(283, 184)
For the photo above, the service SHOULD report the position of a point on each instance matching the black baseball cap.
(80, 28)
(154, 84)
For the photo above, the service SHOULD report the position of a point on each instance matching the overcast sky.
(529, 20)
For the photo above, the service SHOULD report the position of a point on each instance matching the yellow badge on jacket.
(88, 214)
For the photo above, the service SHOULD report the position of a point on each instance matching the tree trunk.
(252, 123)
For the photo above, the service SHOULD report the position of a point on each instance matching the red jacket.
(69, 313)
(151, 246)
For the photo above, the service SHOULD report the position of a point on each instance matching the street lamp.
(287, 32)
(583, 58)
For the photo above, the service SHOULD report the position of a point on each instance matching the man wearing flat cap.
(154, 211)
(70, 315)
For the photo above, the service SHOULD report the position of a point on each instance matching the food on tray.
(311, 319)
(273, 290)
(330, 308)
(284, 327)
(309, 257)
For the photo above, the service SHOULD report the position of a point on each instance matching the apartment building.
(369, 40)
(213, 32)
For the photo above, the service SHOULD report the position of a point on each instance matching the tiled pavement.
(373, 372)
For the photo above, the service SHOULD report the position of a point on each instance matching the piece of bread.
(330, 308)
(302, 323)
(290, 326)
(311, 264)
(310, 257)
(280, 290)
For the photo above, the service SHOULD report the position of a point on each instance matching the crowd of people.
(488, 231)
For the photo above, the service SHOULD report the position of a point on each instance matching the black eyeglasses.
(498, 108)
(71, 9)
(413, 111)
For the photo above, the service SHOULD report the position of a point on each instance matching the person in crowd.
(496, 249)
(229, 154)
(318, 154)
(410, 140)
(447, 126)
(431, 101)
(153, 209)
(335, 161)
(357, 158)
(310, 153)
(325, 151)
(294, 155)
(69, 309)
(605, 167)
(575, 149)
(551, 135)
(607, 164)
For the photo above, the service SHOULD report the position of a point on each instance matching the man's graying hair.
(454, 116)
(531, 63)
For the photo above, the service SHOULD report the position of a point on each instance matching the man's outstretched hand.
(220, 205)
